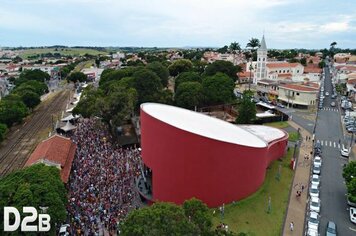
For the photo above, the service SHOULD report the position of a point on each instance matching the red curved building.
(194, 155)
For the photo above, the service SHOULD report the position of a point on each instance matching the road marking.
(321, 143)
(334, 145)
(339, 146)
(330, 144)
(352, 229)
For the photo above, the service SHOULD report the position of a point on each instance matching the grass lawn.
(279, 124)
(293, 136)
(250, 215)
(65, 51)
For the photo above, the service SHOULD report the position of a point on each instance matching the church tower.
(261, 70)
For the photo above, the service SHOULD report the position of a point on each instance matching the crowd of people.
(102, 182)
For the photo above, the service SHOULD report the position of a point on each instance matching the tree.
(180, 66)
(37, 185)
(247, 109)
(186, 77)
(189, 95)
(333, 44)
(34, 75)
(12, 110)
(224, 49)
(88, 105)
(31, 99)
(349, 171)
(159, 219)
(253, 44)
(110, 74)
(351, 190)
(32, 85)
(3, 131)
(225, 67)
(218, 89)
(148, 85)
(199, 66)
(198, 213)
(77, 77)
(303, 61)
(321, 64)
(234, 47)
(160, 70)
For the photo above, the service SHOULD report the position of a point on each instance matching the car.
(332, 104)
(316, 170)
(331, 229)
(317, 161)
(353, 214)
(312, 232)
(333, 96)
(314, 191)
(315, 180)
(63, 230)
(326, 94)
(313, 221)
(280, 105)
(314, 204)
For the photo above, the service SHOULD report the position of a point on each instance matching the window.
(264, 59)
(259, 59)
(284, 71)
(297, 94)
(297, 71)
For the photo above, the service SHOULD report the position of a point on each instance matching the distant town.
(235, 140)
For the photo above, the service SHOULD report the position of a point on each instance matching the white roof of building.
(211, 127)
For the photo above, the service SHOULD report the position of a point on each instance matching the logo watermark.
(26, 226)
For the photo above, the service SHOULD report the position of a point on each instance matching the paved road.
(333, 189)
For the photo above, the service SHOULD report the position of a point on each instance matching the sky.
(312, 24)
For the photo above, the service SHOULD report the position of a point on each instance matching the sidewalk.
(297, 205)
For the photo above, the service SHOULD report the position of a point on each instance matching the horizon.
(176, 24)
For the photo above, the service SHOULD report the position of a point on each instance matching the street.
(333, 190)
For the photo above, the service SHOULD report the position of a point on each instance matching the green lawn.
(293, 136)
(279, 124)
(250, 215)
(65, 51)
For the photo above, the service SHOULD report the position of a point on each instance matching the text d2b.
(43, 220)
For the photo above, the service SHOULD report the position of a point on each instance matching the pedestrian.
(303, 187)
(291, 226)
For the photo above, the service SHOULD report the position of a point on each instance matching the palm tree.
(253, 43)
(235, 48)
(333, 44)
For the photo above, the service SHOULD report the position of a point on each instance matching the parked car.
(280, 105)
(353, 214)
(317, 161)
(63, 230)
(313, 221)
(326, 94)
(315, 180)
(316, 170)
(333, 104)
(333, 96)
(314, 204)
(314, 191)
(331, 229)
(312, 232)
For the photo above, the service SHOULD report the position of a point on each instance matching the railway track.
(15, 153)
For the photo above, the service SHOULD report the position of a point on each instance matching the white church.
(281, 71)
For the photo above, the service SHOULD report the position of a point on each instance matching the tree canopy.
(187, 77)
(349, 174)
(160, 70)
(180, 66)
(225, 67)
(193, 218)
(77, 77)
(34, 75)
(218, 89)
(3, 131)
(37, 185)
(12, 110)
(247, 109)
(189, 95)
(253, 43)
(148, 85)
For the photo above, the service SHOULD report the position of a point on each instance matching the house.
(268, 88)
(300, 95)
(55, 151)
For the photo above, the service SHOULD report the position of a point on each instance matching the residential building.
(268, 88)
(300, 95)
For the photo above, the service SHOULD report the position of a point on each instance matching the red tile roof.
(282, 64)
(299, 87)
(351, 81)
(312, 69)
(57, 150)
(245, 74)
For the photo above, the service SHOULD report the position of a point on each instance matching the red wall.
(186, 165)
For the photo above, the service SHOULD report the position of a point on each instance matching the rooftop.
(209, 127)
(300, 87)
(56, 150)
(282, 64)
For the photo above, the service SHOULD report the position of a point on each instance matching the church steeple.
(261, 70)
